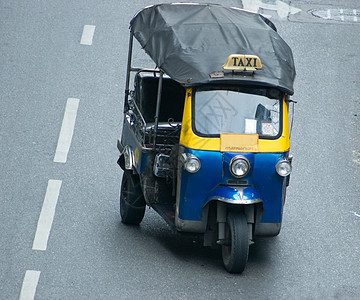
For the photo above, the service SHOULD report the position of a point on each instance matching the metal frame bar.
(127, 86)
(158, 103)
(127, 90)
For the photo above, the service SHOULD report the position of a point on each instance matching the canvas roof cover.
(188, 41)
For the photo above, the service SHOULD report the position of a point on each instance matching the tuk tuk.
(205, 139)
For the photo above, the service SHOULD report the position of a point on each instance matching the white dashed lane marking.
(67, 130)
(31, 278)
(87, 35)
(29, 285)
(47, 215)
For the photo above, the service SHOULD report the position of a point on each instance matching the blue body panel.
(263, 182)
(195, 187)
(270, 185)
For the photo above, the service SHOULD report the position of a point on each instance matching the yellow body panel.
(190, 140)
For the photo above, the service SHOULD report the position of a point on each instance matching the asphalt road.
(89, 253)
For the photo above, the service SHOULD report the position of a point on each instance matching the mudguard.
(234, 195)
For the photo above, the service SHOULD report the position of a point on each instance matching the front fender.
(234, 195)
(127, 159)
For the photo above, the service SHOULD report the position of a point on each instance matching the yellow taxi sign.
(242, 62)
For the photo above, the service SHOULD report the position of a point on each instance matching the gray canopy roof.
(188, 41)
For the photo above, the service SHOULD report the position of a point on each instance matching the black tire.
(236, 250)
(132, 202)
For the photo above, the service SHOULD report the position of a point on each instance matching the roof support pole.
(127, 91)
(158, 103)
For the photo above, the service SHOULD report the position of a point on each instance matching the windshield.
(238, 111)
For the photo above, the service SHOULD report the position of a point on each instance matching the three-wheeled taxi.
(205, 138)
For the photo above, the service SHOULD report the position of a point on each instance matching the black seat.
(172, 100)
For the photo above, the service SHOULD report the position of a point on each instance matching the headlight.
(191, 163)
(283, 168)
(239, 166)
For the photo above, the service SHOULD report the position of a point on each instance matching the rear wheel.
(235, 251)
(132, 202)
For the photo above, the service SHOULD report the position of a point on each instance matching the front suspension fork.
(221, 216)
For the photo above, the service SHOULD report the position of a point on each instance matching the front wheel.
(132, 202)
(235, 251)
